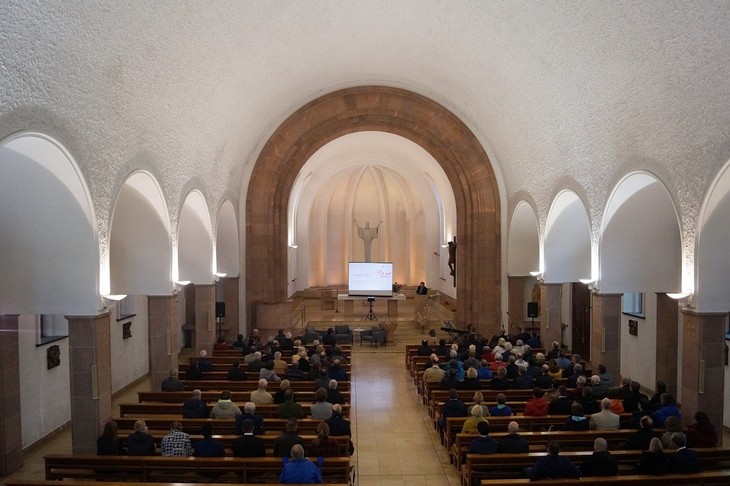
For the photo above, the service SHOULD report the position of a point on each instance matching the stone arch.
(567, 247)
(404, 113)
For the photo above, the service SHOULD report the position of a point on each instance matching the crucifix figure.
(367, 234)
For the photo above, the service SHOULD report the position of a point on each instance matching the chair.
(374, 335)
(343, 335)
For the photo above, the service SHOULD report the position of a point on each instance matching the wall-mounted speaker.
(532, 309)
(220, 309)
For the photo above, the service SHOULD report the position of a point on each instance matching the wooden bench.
(499, 466)
(244, 386)
(527, 424)
(47, 482)
(169, 469)
(229, 439)
(223, 376)
(538, 441)
(145, 409)
(211, 398)
(220, 426)
(697, 479)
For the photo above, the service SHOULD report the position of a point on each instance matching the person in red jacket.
(537, 406)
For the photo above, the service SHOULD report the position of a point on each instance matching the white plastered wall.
(638, 353)
(45, 395)
(130, 357)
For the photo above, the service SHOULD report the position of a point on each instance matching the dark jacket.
(513, 444)
(194, 408)
(653, 463)
(258, 423)
(140, 444)
(685, 461)
(601, 463)
(560, 406)
(639, 440)
(107, 446)
(249, 446)
(483, 445)
(553, 467)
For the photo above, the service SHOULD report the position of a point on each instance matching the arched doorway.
(397, 111)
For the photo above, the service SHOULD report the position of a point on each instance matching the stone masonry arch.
(403, 113)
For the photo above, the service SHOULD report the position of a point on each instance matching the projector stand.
(370, 316)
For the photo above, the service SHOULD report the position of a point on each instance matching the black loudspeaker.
(220, 309)
(532, 309)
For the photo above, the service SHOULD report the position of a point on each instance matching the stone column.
(11, 437)
(703, 366)
(667, 322)
(163, 336)
(606, 333)
(551, 314)
(205, 331)
(91, 379)
(516, 303)
(229, 295)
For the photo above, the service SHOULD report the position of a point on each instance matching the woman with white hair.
(470, 424)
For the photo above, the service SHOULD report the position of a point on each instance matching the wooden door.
(581, 320)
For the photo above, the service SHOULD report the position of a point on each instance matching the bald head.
(513, 427)
(297, 451)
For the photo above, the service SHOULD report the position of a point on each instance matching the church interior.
(175, 171)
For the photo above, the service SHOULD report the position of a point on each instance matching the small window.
(51, 327)
(633, 304)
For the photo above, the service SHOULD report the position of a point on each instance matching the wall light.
(115, 297)
(536, 273)
(587, 281)
(220, 274)
(678, 295)
(294, 246)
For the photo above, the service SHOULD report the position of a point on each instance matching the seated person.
(667, 409)
(225, 408)
(193, 372)
(470, 424)
(109, 444)
(500, 382)
(195, 407)
(601, 463)
(425, 349)
(561, 405)
(284, 385)
(204, 362)
(501, 409)
(323, 445)
(321, 409)
(478, 402)
(220, 343)
(654, 461)
(300, 470)
(268, 373)
(483, 444)
(588, 402)
(538, 405)
(523, 380)
(249, 413)
(553, 466)
(289, 408)
(236, 373)
(176, 442)
(333, 394)
(512, 443)
(702, 433)
(248, 445)
(238, 343)
(208, 447)
(471, 382)
(577, 419)
(605, 419)
(453, 407)
(171, 383)
(294, 373)
(684, 461)
(641, 439)
(284, 443)
(140, 442)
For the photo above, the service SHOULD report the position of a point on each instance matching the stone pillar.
(205, 331)
(228, 287)
(667, 342)
(551, 314)
(516, 303)
(606, 333)
(91, 379)
(703, 371)
(11, 437)
(163, 336)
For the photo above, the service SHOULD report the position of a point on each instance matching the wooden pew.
(155, 468)
(46, 482)
(225, 365)
(229, 439)
(303, 396)
(220, 426)
(697, 479)
(244, 386)
(223, 376)
(527, 424)
(142, 410)
(347, 348)
(499, 466)
(538, 440)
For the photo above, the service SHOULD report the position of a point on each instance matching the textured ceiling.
(561, 94)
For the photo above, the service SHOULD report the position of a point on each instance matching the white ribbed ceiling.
(559, 93)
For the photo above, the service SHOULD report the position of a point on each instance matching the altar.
(349, 302)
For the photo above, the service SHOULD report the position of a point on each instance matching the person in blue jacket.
(300, 470)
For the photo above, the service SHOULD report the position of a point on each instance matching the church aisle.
(395, 442)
